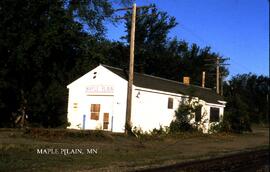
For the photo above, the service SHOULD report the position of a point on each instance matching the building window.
(170, 103)
(214, 114)
(198, 114)
(95, 109)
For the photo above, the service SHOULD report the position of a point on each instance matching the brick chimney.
(186, 80)
(203, 79)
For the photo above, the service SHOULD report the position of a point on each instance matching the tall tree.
(253, 91)
(157, 54)
(40, 43)
(152, 28)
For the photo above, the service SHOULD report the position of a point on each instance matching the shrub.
(234, 123)
(236, 117)
(160, 131)
(184, 114)
(217, 128)
(137, 132)
(237, 122)
(129, 131)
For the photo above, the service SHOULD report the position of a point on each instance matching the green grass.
(18, 149)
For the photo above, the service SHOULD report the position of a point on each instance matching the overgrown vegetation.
(183, 116)
(247, 103)
(236, 117)
(248, 96)
(157, 133)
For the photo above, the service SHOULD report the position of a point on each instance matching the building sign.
(99, 90)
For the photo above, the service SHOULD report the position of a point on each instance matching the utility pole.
(131, 63)
(217, 63)
(217, 75)
(131, 69)
(267, 105)
(221, 84)
(203, 79)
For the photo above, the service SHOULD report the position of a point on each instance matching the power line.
(207, 43)
(243, 66)
(194, 34)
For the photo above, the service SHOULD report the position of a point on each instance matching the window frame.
(213, 117)
(170, 103)
(94, 111)
(199, 109)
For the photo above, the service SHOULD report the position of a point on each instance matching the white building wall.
(113, 103)
(150, 108)
(205, 123)
(119, 106)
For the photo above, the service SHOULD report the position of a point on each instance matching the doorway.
(101, 112)
(106, 121)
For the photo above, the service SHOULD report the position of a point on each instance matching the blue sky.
(238, 29)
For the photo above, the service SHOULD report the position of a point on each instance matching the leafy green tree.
(236, 118)
(246, 97)
(157, 54)
(43, 44)
(90, 12)
(46, 44)
(151, 33)
(35, 42)
(253, 91)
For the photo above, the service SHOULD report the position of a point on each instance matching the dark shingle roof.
(162, 84)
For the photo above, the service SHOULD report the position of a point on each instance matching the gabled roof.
(162, 84)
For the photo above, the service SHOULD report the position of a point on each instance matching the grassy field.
(66, 150)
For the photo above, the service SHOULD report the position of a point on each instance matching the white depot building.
(97, 100)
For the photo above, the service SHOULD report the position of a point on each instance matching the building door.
(105, 121)
(101, 110)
